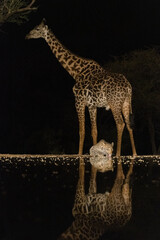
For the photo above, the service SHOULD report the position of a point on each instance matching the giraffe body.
(101, 90)
(94, 87)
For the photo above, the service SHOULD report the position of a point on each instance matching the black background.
(37, 103)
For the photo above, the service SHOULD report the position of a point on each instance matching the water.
(37, 195)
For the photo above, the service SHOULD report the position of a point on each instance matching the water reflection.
(95, 213)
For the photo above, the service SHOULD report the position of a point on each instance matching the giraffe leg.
(81, 175)
(93, 119)
(118, 183)
(81, 117)
(80, 190)
(126, 113)
(130, 171)
(120, 126)
(92, 184)
(126, 190)
(120, 174)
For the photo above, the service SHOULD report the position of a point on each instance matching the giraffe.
(94, 87)
(95, 213)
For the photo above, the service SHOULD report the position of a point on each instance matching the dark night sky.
(37, 103)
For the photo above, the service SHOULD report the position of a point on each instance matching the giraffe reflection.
(95, 213)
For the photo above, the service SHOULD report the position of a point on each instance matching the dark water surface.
(37, 196)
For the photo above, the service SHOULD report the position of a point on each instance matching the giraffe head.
(39, 31)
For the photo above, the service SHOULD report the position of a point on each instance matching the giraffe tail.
(131, 115)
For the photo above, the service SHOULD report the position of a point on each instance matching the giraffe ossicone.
(95, 87)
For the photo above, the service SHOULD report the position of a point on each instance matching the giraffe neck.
(73, 64)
